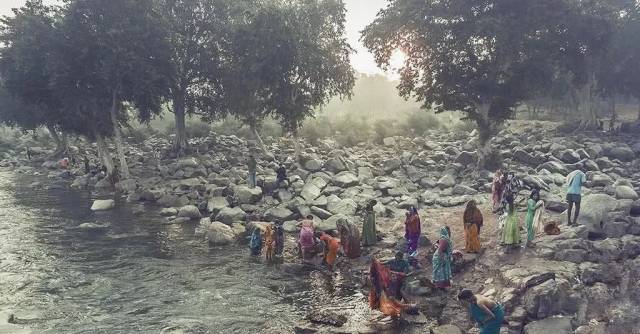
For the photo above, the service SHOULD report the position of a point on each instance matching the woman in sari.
(496, 190)
(412, 230)
(381, 295)
(307, 240)
(332, 246)
(487, 313)
(269, 243)
(255, 243)
(472, 220)
(350, 238)
(511, 230)
(369, 234)
(535, 207)
(442, 260)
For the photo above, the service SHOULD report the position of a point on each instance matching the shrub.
(139, 134)
(419, 122)
(350, 131)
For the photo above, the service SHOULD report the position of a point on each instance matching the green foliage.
(110, 52)
(479, 58)
(26, 97)
(286, 59)
(139, 134)
(420, 122)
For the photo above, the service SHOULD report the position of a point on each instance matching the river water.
(137, 275)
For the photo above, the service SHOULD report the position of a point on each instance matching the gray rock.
(330, 224)
(103, 205)
(335, 165)
(188, 162)
(313, 165)
(446, 181)
(278, 213)
(594, 211)
(230, 215)
(555, 325)
(600, 180)
(312, 189)
(391, 164)
(247, 195)
(554, 167)
(364, 174)
(626, 192)
(170, 200)
(460, 189)
(190, 183)
(526, 158)
(345, 207)
(569, 156)
(616, 229)
(93, 227)
(167, 212)
(635, 209)
(345, 180)
(320, 213)
(591, 273)
(547, 299)
(127, 186)
(216, 204)
(219, 234)
(389, 141)
(448, 202)
(290, 226)
(446, 329)
(621, 152)
(189, 211)
(466, 158)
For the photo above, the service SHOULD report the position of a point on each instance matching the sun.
(396, 62)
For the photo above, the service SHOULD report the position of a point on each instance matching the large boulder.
(555, 325)
(219, 234)
(364, 174)
(595, 210)
(247, 195)
(390, 165)
(313, 165)
(621, 152)
(626, 192)
(547, 299)
(335, 165)
(466, 158)
(446, 181)
(330, 224)
(554, 167)
(103, 204)
(170, 200)
(278, 213)
(217, 203)
(345, 180)
(189, 211)
(312, 189)
(346, 206)
(230, 215)
(526, 158)
(128, 185)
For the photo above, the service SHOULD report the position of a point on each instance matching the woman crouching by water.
(486, 312)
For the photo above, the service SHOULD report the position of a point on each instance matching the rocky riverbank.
(572, 282)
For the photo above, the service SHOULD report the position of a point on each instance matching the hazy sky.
(359, 14)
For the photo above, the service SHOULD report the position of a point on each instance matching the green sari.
(369, 235)
(511, 232)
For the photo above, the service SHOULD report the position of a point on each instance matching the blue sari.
(442, 261)
(492, 326)
(255, 244)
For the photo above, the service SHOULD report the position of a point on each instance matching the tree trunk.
(296, 145)
(105, 156)
(256, 135)
(485, 134)
(124, 168)
(61, 143)
(181, 131)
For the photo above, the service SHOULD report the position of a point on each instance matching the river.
(137, 275)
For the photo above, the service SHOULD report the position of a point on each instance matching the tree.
(197, 34)
(286, 58)
(480, 57)
(113, 52)
(27, 99)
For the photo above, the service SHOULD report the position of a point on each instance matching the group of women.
(505, 191)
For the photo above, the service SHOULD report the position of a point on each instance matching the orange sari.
(471, 238)
(333, 245)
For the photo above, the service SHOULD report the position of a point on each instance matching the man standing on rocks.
(252, 171)
(575, 180)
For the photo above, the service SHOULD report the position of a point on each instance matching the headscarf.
(444, 235)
